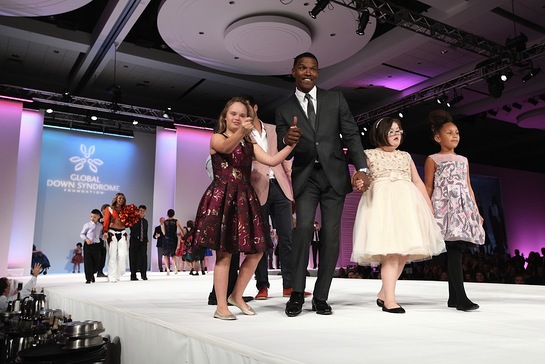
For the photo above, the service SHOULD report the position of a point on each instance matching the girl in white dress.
(394, 221)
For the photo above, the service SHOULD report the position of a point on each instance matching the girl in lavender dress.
(455, 209)
(229, 218)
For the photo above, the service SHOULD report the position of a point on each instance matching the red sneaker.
(286, 292)
(263, 294)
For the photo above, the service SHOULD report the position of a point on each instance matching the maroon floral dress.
(229, 217)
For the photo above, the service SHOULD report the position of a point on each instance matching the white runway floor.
(166, 320)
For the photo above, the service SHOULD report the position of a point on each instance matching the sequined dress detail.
(229, 217)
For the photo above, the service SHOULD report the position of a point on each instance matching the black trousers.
(102, 264)
(456, 290)
(278, 207)
(160, 258)
(138, 258)
(317, 190)
(91, 259)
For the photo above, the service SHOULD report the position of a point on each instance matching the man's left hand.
(361, 177)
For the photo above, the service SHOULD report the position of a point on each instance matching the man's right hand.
(293, 135)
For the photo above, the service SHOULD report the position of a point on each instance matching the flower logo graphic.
(86, 159)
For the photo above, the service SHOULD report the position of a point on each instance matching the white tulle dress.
(393, 217)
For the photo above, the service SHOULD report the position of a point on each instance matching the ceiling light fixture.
(401, 114)
(492, 112)
(167, 113)
(362, 22)
(49, 111)
(506, 75)
(441, 99)
(66, 97)
(456, 99)
(533, 72)
(320, 6)
(506, 108)
(495, 86)
(533, 101)
(517, 106)
(94, 117)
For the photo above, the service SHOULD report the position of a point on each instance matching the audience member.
(9, 291)
(38, 257)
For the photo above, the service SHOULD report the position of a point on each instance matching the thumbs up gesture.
(294, 133)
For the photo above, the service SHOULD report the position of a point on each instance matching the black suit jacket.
(333, 117)
(135, 231)
(159, 231)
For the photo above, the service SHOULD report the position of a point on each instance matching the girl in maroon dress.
(229, 218)
(77, 258)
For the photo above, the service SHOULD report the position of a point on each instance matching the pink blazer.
(282, 172)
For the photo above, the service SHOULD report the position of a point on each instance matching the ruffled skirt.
(394, 218)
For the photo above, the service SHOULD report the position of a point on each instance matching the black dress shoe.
(144, 278)
(247, 298)
(88, 282)
(134, 279)
(393, 310)
(321, 307)
(467, 307)
(294, 306)
(101, 275)
(380, 303)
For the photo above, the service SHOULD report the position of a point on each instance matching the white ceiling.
(211, 50)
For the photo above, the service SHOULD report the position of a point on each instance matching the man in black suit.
(320, 174)
(138, 248)
(158, 234)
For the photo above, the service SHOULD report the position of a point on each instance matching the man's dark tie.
(141, 230)
(311, 114)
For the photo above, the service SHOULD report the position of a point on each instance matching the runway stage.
(166, 320)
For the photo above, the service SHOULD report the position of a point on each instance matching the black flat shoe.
(393, 310)
(467, 307)
(294, 306)
(321, 307)
(380, 303)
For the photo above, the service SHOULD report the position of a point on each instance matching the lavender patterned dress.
(455, 212)
(229, 217)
